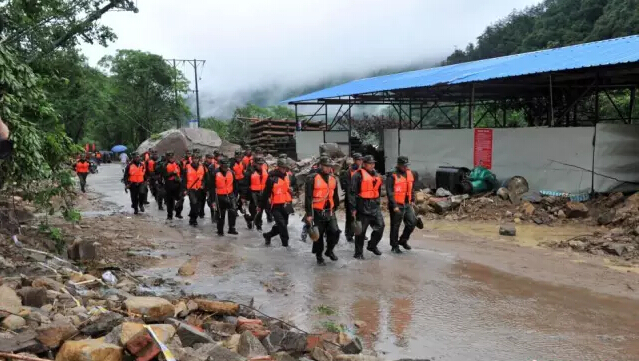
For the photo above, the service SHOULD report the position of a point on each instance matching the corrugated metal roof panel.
(607, 52)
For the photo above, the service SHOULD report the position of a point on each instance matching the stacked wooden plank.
(276, 136)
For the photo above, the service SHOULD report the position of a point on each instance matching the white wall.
(534, 153)
(616, 156)
(391, 151)
(307, 143)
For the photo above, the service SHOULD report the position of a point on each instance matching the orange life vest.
(224, 183)
(194, 176)
(258, 181)
(323, 192)
(150, 164)
(281, 193)
(238, 169)
(404, 187)
(265, 168)
(82, 167)
(170, 168)
(136, 173)
(369, 189)
(247, 160)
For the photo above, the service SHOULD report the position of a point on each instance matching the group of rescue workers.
(227, 187)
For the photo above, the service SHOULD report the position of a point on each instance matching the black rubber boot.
(396, 250)
(331, 255)
(233, 231)
(375, 250)
(359, 256)
(267, 239)
(320, 260)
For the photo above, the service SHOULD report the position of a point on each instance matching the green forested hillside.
(551, 24)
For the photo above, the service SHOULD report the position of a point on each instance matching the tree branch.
(76, 29)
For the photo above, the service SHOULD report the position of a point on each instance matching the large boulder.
(179, 140)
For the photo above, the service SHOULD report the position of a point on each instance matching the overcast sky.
(253, 44)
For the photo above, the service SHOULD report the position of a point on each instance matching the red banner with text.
(483, 148)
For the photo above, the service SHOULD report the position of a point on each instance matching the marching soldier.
(171, 174)
(239, 170)
(152, 177)
(365, 205)
(277, 194)
(321, 202)
(82, 170)
(134, 182)
(401, 195)
(222, 185)
(194, 182)
(248, 157)
(345, 181)
(257, 176)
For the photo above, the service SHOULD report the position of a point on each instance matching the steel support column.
(551, 113)
(471, 105)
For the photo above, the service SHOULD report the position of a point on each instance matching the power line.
(194, 63)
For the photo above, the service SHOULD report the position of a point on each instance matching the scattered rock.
(508, 230)
(561, 214)
(606, 218)
(441, 192)
(123, 333)
(103, 323)
(21, 342)
(190, 335)
(232, 343)
(343, 339)
(51, 335)
(356, 358)
(222, 353)
(9, 300)
(503, 193)
(220, 330)
(83, 250)
(320, 355)
(192, 306)
(440, 205)
(576, 210)
(294, 341)
(188, 268)
(257, 329)
(617, 249)
(614, 199)
(218, 307)
(5, 264)
(576, 245)
(152, 308)
(283, 356)
(49, 284)
(354, 347)
(528, 209)
(272, 342)
(181, 310)
(13, 322)
(420, 197)
(250, 346)
(89, 350)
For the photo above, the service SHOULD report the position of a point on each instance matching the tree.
(36, 28)
(221, 127)
(142, 95)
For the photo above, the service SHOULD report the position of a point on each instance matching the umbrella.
(118, 149)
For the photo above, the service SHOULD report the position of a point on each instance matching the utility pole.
(194, 63)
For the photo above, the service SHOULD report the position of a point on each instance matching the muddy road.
(448, 299)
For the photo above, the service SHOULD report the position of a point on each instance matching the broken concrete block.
(218, 307)
(52, 334)
(250, 346)
(33, 296)
(103, 323)
(153, 309)
(89, 350)
(508, 230)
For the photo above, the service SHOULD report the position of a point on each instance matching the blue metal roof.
(606, 52)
